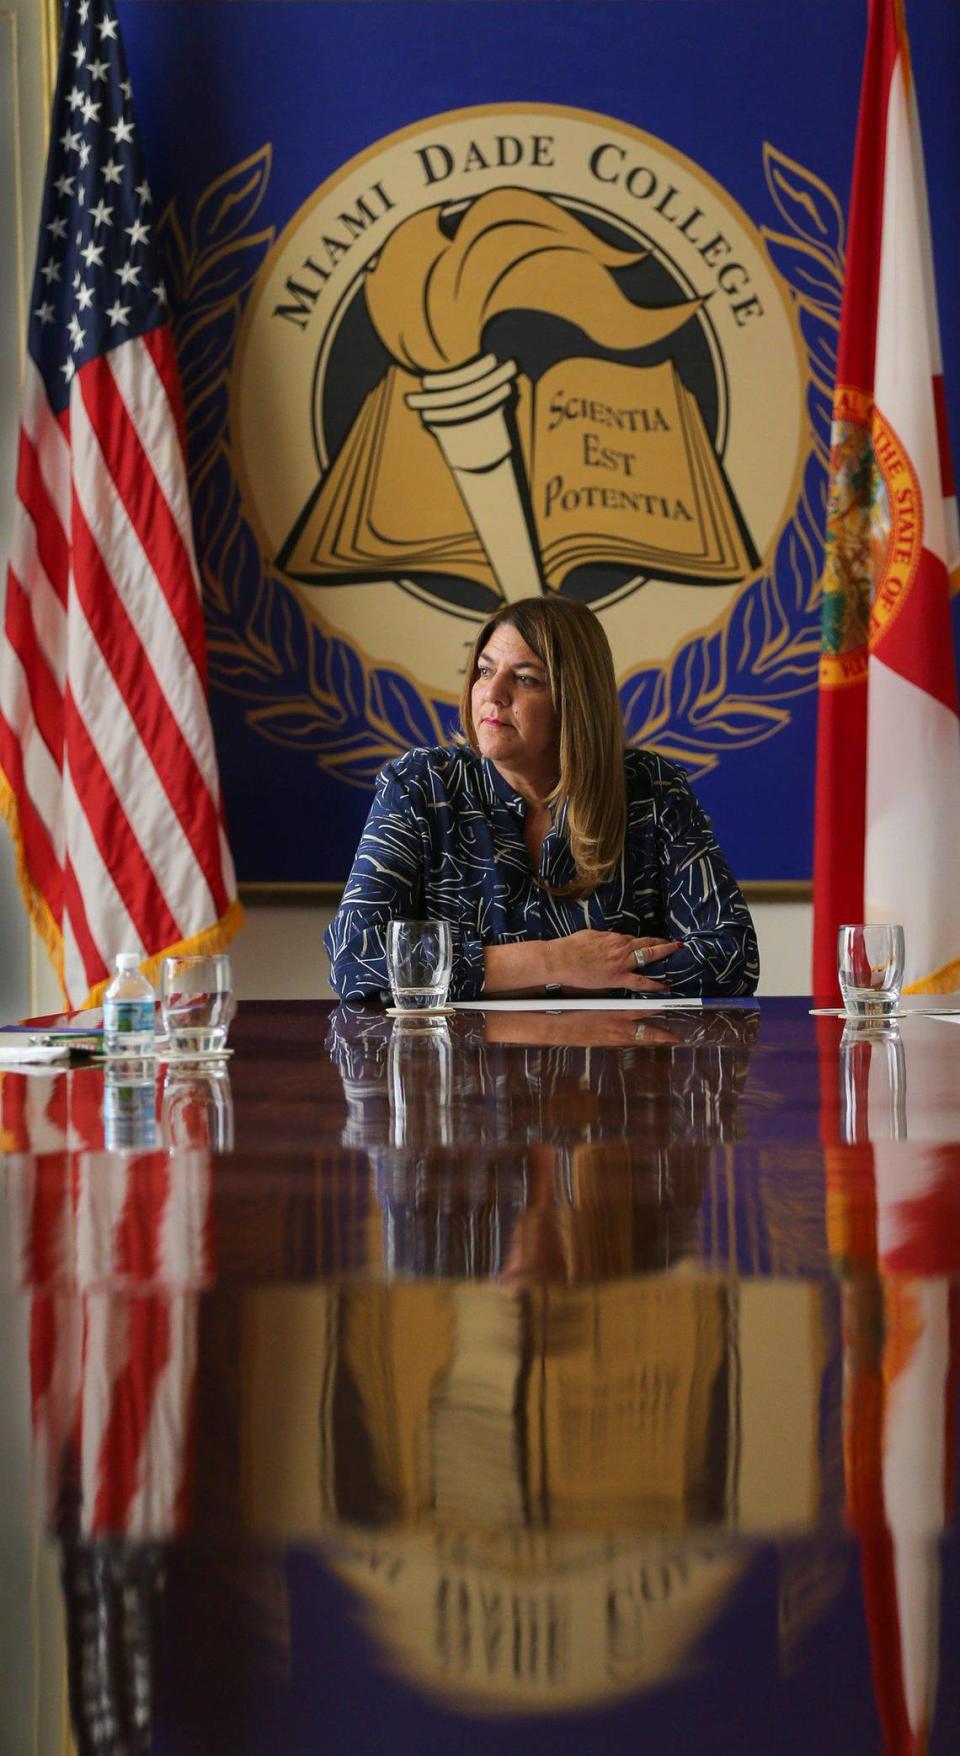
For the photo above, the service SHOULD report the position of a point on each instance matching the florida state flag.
(887, 822)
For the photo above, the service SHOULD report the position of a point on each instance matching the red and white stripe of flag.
(108, 772)
(115, 1250)
(901, 1341)
(51, 1112)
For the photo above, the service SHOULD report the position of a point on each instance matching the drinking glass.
(419, 961)
(420, 1083)
(197, 1107)
(196, 1004)
(873, 1082)
(870, 969)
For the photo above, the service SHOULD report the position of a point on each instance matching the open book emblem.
(532, 429)
(517, 349)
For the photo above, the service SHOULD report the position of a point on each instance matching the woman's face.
(515, 719)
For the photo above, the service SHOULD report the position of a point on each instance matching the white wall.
(280, 955)
(785, 933)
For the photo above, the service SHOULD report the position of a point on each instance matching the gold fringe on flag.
(8, 1140)
(34, 900)
(945, 980)
(211, 939)
(202, 944)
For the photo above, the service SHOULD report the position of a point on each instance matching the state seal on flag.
(874, 536)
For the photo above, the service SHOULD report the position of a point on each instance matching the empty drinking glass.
(873, 1082)
(870, 968)
(196, 1003)
(197, 1107)
(420, 1083)
(419, 961)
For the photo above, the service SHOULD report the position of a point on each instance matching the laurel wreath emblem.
(726, 690)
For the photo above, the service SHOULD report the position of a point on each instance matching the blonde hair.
(571, 645)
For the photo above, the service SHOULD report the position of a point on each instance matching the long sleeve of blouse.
(396, 877)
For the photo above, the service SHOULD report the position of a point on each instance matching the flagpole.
(42, 992)
(42, 989)
(50, 27)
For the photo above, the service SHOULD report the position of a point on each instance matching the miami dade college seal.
(514, 350)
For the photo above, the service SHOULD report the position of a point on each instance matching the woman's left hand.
(591, 960)
(655, 950)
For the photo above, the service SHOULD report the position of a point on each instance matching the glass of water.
(196, 1004)
(419, 962)
(197, 1107)
(870, 969)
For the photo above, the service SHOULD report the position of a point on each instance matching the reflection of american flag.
(50, 1112)
(107, 766)
(115, 1249)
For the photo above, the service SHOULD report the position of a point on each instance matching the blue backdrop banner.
(482, 298)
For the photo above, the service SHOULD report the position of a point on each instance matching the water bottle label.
(130, 1116)
(120, 1016)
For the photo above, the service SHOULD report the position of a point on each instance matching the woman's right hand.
(595, 960)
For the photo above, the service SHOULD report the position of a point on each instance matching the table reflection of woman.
(561, 860)
(570, 1157)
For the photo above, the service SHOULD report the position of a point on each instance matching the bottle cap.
(127, 960)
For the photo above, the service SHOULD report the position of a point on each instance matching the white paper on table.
(951, 1014)
(32, 1054)
(550, 1004)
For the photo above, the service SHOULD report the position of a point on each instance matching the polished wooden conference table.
(523, 1378)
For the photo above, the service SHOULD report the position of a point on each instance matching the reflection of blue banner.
(474, 299)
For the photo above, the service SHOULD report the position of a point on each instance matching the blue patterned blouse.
(444, 841)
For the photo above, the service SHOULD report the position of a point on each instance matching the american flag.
(114, 1251)
(108, 773)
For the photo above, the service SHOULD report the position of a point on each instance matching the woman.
(563, 862)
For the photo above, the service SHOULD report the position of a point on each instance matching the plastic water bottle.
(130, 1106)
(129, 1025)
